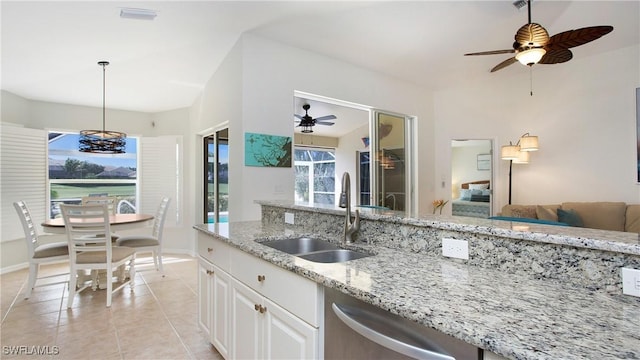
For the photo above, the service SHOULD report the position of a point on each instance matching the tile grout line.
(175, 331)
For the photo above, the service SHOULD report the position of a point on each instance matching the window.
(73, 174)
(315, 171)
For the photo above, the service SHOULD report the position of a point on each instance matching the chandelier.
(102, 141)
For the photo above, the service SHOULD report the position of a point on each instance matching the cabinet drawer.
(214, 251)
(298, 295)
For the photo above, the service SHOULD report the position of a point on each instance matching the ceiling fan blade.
(492, 52)
(326, 117)
(504, 64)
(324, 123)
(556, 56)
(577, 37)
(298, 116)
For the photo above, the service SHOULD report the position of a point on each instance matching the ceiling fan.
(307, 123)
(534, 46)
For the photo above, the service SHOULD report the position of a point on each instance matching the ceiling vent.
(138, 14)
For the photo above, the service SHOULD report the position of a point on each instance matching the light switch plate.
(455, 248)
(288, 218)
(631, 282)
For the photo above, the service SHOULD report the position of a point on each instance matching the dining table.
(117, 222)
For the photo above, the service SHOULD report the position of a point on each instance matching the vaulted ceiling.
(50, 49)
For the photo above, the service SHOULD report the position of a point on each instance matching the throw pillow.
(465, 194)
(478, 186)
(544, 213)
(570, 217)
(524, 212)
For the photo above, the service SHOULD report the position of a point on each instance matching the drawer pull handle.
(257, 307)
(209, 249)
(209, 272)
(261, 278)
(260, 308)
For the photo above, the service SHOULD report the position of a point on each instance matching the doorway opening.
(353, 133)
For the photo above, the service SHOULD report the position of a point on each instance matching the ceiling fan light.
(530, 56)
(509, 152)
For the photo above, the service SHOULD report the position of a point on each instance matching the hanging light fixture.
(102, 141)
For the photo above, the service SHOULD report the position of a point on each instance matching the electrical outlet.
(631, 282)
(454, 248)
(288, 218)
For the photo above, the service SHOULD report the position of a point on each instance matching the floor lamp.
(518, 153)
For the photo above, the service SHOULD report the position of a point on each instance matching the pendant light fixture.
(102, 141)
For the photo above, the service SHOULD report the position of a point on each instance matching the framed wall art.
(484, 162)
(267, 150)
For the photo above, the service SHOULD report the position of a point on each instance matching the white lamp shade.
(528, 143)
(523, 158)
(530, 56)
(509, 152)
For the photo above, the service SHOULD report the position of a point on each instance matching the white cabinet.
(205, 282)
(221, 311)
(214, 310)
(253, 309)
(263, 330)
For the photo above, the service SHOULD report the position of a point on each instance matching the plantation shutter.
(161, 175)
(23, 176)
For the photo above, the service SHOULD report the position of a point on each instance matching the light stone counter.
(510, 313)
(614, 241)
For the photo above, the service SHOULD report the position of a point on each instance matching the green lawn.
(67, 191)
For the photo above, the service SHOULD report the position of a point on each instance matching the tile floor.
(158, 320)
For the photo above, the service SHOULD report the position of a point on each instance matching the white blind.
(161, 175)
(23, 176)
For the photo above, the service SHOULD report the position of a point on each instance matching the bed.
(474, 200)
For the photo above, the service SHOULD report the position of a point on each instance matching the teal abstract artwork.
(267, 150)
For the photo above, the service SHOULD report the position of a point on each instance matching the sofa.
(616, 216)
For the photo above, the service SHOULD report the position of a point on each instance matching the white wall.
(346, 159)
(583, 112)
(271, 72)
(220, 102)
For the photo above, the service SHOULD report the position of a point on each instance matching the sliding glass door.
(216, 202)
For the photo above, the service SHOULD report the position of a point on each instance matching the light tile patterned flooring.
(158, 320)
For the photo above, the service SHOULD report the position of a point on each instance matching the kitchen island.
(515, 314)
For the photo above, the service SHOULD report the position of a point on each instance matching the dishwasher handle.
(356, 318)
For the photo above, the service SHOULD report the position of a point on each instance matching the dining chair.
(90, 248)
(110, 201)
(38, 252)
(150, 242)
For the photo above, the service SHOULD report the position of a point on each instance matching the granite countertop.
(512, 315)
(615, 241)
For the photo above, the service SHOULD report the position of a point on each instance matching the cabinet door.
(286, 336)
(246, 321)
(221, 311)
(205, 273)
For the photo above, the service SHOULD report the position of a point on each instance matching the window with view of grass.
(74, 174)
(315, 171)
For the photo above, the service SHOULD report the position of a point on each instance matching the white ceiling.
(50, 49)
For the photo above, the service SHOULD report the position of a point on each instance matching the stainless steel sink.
(299, 245)
(333, 256)
(313, 249)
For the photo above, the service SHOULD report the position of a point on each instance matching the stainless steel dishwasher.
(357, 330)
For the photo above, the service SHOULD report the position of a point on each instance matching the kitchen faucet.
(350, 228)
